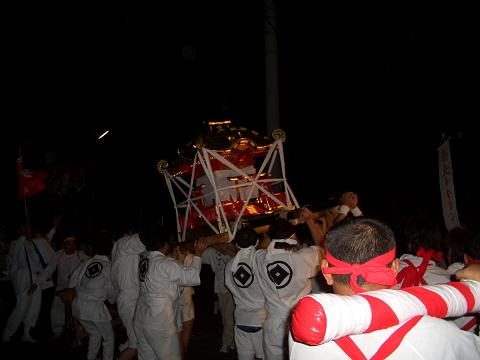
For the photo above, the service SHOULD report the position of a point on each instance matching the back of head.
(102, 246)
(456, 241)
(129, 225)
(280, 229)
(155, 236)
(245, 237)
(357, 241)
(472, 246)
(24, 229)
(422, 231)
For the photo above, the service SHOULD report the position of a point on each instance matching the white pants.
(249, 345)
(27, 309)
(126, 304)
(57, 315)
(157, 345)
(226, 305)
(96, 331)
(275, 337)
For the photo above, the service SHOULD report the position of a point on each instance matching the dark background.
(366, 93)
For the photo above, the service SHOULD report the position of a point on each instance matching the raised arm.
(317, 229)
(348, 203)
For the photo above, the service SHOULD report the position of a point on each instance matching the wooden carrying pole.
(221, 238)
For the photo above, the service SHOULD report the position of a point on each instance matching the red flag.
(29, 182)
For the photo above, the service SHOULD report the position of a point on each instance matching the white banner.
(447, 190)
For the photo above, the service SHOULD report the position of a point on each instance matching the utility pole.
(271, 67)
(271, 77)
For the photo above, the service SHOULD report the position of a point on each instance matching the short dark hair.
(422, 230)
(280, 229)
(131, 222)
(245, 237)
(102, 246)
(357, 241)
(155, 236)
(456, 241)
(472, 246)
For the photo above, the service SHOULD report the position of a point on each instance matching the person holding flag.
(29, 182)
(26, 266)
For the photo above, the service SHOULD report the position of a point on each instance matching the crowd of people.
(259, 278)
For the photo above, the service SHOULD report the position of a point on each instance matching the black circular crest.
(93, 270)
(280, 273)
(243, 276)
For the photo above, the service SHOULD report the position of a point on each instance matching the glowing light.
(105, 133)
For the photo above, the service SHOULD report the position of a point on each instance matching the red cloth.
(374, 271)
(386, 349)
(413, 276)
(29, 182)
(436, 256)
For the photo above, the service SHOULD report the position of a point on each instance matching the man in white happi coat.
(361, 257)
(93, 285)
(125, 259)
(67, 259)
(242, 281)
(156, 321)
(285, 275)
(28, 265)
(217, 257)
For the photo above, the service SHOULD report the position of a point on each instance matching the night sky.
(365, 96)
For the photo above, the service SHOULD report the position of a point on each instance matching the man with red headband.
(360, 256)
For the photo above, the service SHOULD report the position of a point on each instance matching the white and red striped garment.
(386, 324)
(319, 318)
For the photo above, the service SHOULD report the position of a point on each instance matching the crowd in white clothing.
(259, 280)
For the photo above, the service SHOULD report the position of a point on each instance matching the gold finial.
(162, 166)
(279, 134)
